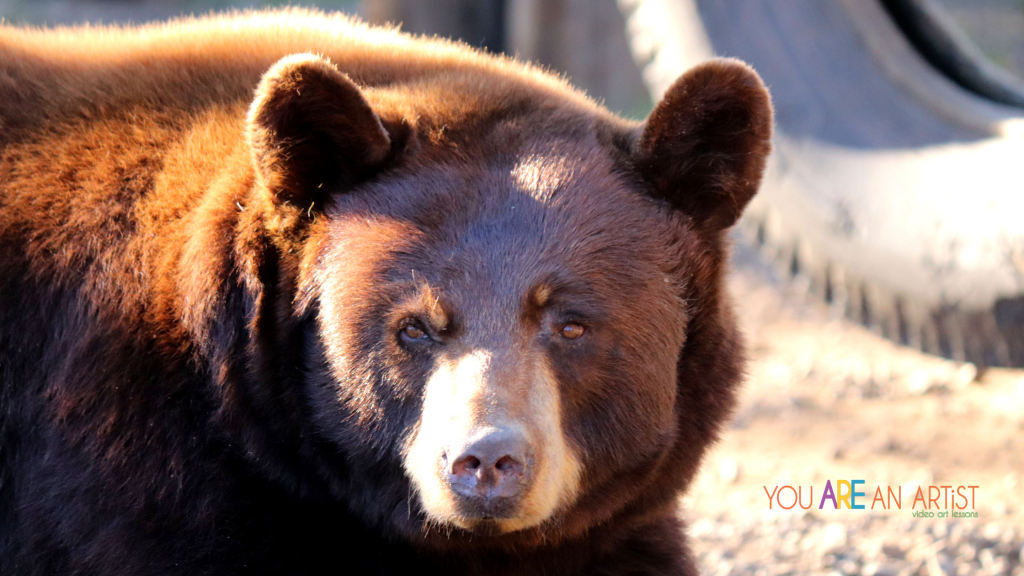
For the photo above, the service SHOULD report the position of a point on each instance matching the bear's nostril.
(507, 464)
(465, 464)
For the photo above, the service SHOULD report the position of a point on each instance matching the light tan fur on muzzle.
(469, 393)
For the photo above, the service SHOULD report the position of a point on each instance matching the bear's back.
(49, 76)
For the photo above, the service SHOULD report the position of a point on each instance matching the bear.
(285, 293)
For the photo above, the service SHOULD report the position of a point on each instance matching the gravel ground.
(827, 399)
(871, 545)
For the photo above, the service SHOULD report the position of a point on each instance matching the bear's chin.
(494, 521)
(447, 510)
(493, 527)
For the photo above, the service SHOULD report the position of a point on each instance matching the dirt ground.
(830, 400)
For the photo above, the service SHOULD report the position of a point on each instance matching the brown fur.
(207, 254)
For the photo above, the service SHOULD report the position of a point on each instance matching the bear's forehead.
(551, 212)
(551, 194)
(541, 174)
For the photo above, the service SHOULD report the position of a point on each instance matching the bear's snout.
(489, 454)
(489, 470)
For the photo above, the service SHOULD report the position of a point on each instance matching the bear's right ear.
(704, 147)
(311, 131)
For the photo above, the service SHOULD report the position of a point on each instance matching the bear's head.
(499, 307)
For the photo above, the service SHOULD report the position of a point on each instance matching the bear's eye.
(414, 332)
(572, 331)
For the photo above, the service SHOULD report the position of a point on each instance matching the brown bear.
(281, 293)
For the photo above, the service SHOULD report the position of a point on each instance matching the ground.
(827, 399)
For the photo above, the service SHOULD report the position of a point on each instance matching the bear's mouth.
(471, 509)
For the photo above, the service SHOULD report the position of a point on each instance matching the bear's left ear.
(311, 131)
(704, 147)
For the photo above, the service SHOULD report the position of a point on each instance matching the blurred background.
(879, 274)
(997, 26)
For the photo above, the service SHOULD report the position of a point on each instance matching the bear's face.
(502, 305)
(519, 317)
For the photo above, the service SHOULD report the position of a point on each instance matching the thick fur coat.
(272, 285)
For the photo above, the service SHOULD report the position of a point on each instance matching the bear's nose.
(491, 465)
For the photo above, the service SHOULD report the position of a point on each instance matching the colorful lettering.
(828, 494)
(919, 496)
(840, 496)
(854, 494)
(878, 498)
(899, 497)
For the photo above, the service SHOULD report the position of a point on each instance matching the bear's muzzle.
(489, 454)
